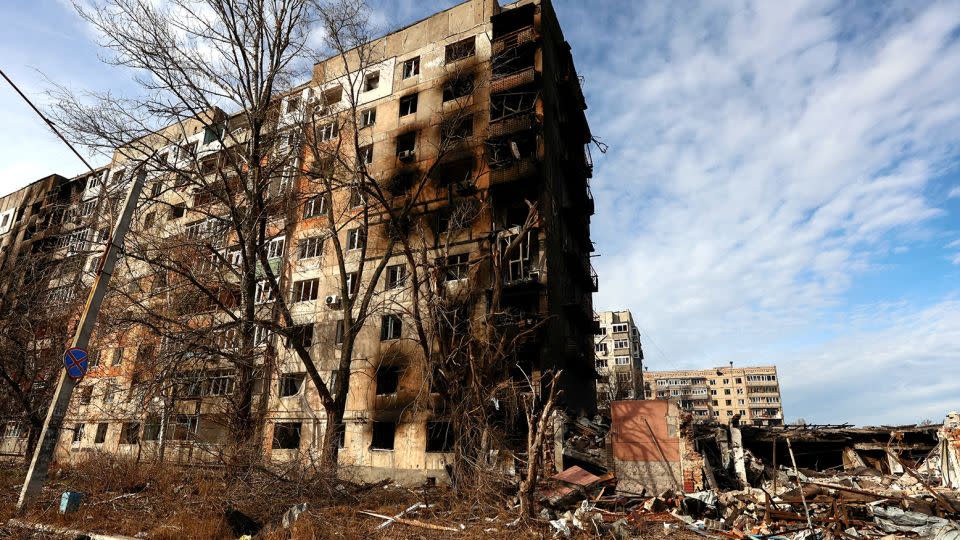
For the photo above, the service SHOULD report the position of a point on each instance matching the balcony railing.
(516, 171)
(516, 38)
(513, 80)
(512, 124)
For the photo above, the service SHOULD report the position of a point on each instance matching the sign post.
(75, 358)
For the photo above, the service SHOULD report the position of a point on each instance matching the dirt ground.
(179, 503)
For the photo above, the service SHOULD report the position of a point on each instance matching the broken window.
(510, 104)
(117, 357)
(290, 384)
(457, 129)
(183, 427)
(406, 146)
(456, 267)
(301, 335)
(220, 382)
(388, 380)
(286, 435)
(411, 67)
(327, 132)
(383, 435)
(151, 429)
(264, 292)
(439, 436)
(329, 98)
(130, 433)
(356, 197)
(458, 87)
(390, 327)
(353, 283)
(315, 206)
(396, 276)
(371, 81)
(464, 48)
(366, 154)
(78, 433)
(310, 248)
(408, 104)
(355, 238)
(368, 117)
(178, 210)
(275, 247)
(306, 290)
(293, 104)
(520, 261)
(101, 434)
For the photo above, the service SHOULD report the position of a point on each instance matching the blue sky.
(782, 184)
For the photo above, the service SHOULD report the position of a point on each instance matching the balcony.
(516, 38)
(517, 170)
(507, 82)
(512, 124)
(594, 280)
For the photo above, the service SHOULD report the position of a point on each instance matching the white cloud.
(764, 157)
(954, 193)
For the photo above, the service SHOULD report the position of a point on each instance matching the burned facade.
(482, 99)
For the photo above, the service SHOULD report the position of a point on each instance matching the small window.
(388, 380)
(118, 176)
(149, 220)
(390, 327)
(130, 434)
(310, 248)
(78, 433)
(328, 132)
(408, 105)
(411, 67)
(264, 292)
(371, 81)
(439, 436)
(301, 335)
(456, 267)
(383, 435)
(178, 210)
(355, 239)
(353, 283)
(101, 435)
(366, 154)
(275, 247)
(457, 129)
(396, 276)
(315, 206)
(368, 117)
(157, 189)
(464, 48)
(286, 435)
(293, 104)
(291, 384)
(306, 290)
(619, 328)
(151, 429)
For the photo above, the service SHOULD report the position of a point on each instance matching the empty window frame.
(439, 436)
(286, 435)
(301, 335)
(388, 380)
(396, 276)
(407, 146)
(353, 283)
(509, 104)
(371, 81)
(465, 48)
(220, 382)
(306, 290)
(411, 67)
(264, 292)
(408, 104)
(183, 427)
(331, 96)
(292, 105)
(101, 435)
(366, 155)
(457, 129)
(275, 247)
(368, 117)
(328, 132)
(391, 327)
(78, 430)
(356, 239)
(130, 433)
(178, 210)
(456, 267)
(458, 87)
(383, 435)
(290, 384)
(315, 206)
(309, 248)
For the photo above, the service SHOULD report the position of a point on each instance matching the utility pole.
(47, 445)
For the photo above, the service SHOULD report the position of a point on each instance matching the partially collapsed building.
(507, 75)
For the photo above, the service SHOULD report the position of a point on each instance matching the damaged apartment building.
(507, 74)
(619, 358)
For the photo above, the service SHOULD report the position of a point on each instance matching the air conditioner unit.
(405, 155)
(332, 300)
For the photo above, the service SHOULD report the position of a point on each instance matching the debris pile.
(779, 482)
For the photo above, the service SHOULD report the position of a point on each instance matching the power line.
(50, 124)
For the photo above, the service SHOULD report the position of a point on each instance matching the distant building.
(619, 358)
(722, 393)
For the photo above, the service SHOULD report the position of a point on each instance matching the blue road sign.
(75, 360)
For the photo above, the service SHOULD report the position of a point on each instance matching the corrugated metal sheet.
(633, 422)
